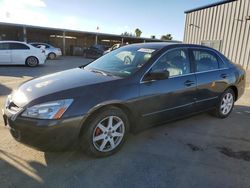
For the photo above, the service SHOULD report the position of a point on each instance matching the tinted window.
(205, 60)
(4, 46)
(93, 48)
(35, 45)
(175, 61)
(45, 45)
(18, 46)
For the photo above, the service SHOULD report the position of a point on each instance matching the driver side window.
(175, 62)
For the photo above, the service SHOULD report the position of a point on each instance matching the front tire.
(106, 133)
(32, 61)
(52, 56)
(225, 105)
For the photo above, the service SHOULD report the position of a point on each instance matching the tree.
(127, 34)
(166, 37)
(153, 37)
(138, 32)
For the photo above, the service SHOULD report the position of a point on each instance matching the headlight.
(49, 110)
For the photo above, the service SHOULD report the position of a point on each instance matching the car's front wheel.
(106, 132)
(226, 104)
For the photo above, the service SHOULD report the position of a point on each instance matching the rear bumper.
(45, 135)
(42, 60)
(58, 54)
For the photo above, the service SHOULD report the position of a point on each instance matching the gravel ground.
(200, 151)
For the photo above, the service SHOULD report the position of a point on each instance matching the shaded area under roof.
(208, 6)
(83, 32)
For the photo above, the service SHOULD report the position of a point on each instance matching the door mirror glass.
(156, 75)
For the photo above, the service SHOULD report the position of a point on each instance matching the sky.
(152, 17)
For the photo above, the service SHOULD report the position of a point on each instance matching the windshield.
(122, 62)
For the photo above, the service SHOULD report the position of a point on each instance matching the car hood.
(56, 82)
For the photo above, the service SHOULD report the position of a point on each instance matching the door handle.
(188, 83)
(223, 75)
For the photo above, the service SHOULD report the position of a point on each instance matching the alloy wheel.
(32, 61)
(108, 133)
(226, 103)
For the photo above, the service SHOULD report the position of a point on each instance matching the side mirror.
(156, 75)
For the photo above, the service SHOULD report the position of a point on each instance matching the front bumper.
(45, 135)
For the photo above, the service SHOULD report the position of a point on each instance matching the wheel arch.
(98, 108)
(32, 56)
(52, 53)
(235, 89)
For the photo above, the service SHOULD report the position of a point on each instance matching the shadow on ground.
(152, 158)
(4, 90)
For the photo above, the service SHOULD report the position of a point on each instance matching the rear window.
(35, 45)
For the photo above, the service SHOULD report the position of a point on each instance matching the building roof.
(83, 32)
(209, 5)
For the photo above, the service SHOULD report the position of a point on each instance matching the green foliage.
(138, 32)
(166, 37)
(127, 34)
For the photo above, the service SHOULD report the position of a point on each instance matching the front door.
(163, 100)
(5, 53)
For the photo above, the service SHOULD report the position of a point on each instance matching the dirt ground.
(200, 151)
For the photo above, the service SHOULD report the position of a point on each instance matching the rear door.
(211, 75)
(19, 53)
(162, 100)
(5, 53)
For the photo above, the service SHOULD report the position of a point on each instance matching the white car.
(50, 51)
(20, 53)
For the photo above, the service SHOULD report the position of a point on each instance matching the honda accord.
(126, 90)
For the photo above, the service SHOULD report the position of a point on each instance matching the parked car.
(94, 51)
(114, 47)
(20, 53)
(126, 90)
(50, 51)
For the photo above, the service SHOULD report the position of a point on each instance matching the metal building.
(224, 26)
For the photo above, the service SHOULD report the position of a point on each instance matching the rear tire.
(52, 56)
(32, 61)
(106, 133)
(225, 105)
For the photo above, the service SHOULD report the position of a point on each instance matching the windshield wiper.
(101, 72)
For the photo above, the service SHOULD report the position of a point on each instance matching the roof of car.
(12, 41)
(160, 45)
(39, 43)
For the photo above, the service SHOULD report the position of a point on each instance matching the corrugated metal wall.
(224, 25)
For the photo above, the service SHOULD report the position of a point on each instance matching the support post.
(122, 40)
(24, 34)
(96, 39)
(64, 43)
